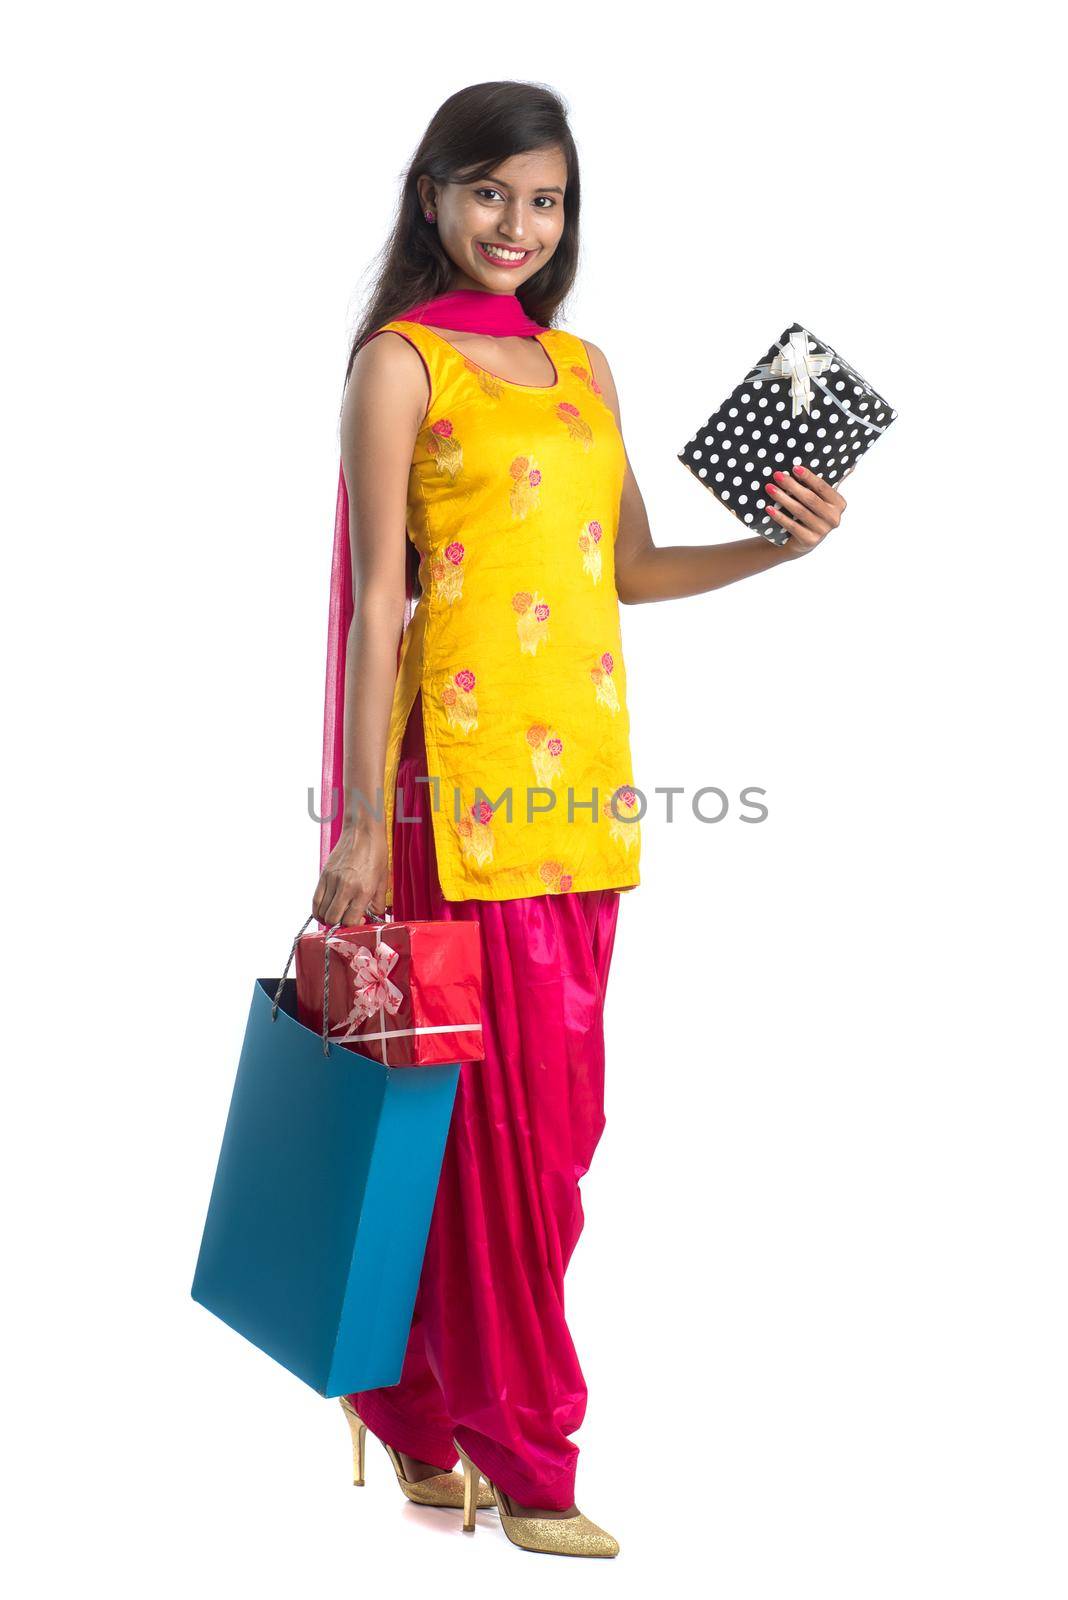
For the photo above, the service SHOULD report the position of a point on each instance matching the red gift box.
(408, 994)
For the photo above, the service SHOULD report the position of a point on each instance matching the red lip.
(524, 258)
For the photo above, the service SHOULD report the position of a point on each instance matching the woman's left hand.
(806, 506)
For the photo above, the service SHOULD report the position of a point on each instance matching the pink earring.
(429, 215)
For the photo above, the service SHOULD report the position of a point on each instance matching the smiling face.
(500, 230)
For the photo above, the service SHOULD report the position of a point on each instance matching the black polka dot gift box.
(801, 403)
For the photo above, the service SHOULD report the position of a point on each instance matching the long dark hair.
(468, 136)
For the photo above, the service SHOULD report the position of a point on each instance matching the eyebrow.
(543, 188)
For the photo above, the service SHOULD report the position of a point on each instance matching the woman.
(491, 437)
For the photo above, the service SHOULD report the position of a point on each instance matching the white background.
(820, 1299)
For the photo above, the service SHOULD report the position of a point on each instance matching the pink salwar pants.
(489, 1358)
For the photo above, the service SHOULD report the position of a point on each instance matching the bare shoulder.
(388, 379)
(385, 402)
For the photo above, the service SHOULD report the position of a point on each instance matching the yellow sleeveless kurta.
(513, 505)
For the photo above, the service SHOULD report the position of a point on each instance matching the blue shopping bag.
(320, 1211)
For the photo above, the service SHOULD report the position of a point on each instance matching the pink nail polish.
(799, 470)
(779, 476)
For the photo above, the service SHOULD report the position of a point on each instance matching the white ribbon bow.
(800, 364)
(803, 368)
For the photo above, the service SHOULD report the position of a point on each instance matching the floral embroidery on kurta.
(447, 451)
(601, 676)
(458, 698)
(589, 544)
(556, 880)
(531, 620)
(587, 378)
(447, 572)
(576, 424)
(476, 833)
(546, 749)
(526, 480)
(621, 814)
(485, 380)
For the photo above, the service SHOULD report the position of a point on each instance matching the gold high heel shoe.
(444, 1489)
(555, 1536)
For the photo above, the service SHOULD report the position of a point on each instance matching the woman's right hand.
(354, 878)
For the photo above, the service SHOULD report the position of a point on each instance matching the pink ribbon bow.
(373, 989)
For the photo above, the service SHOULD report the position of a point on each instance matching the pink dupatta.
(462, 311)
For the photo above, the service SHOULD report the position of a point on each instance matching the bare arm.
(385, 403)
(645, 571)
